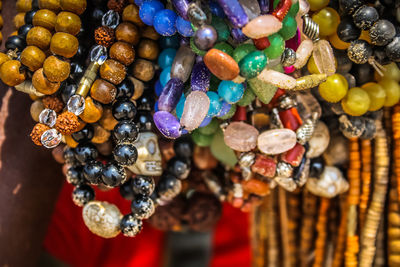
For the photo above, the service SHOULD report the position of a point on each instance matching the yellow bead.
(328, 20)
(316, 5)
(391, 72)
(312, 68)
(356, 102)
(376, 94)
(392, 90)
(334, 88)
(337, 43)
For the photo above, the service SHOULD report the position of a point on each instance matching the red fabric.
(69, 240)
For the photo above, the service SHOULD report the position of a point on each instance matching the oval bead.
(276, 141)
(324, 58)
(200, 80)
(241, 136)
(195, 110)
(230, 91)
(303, 53)
(183, 63)
(262, 26)
(170, 95)
(319, 140)
(221, 64)
(277, 79)
(235, 12)
(167, 124)
(252, 64)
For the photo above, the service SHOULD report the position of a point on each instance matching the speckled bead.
(64, 44)
(32, 57)
(122, 52)
(103, 91)
(42, 84)
(55, 69)
(45, 18)
(68, 22)
(40, 37)
(113, 71)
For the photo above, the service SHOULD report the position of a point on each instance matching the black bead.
(380, 55)
(126, 89)
(77, 71)
(145, 102)
(393, 49)
(347, 31)
(169, 186)
(74, 175)
(124, 109)
(113, 174)
(125, 154)
(84, 135)
(349, 6)
(316, 167)
(80, 54)
(24, 29)
(142, 206)
(344, 64)
(130, 225)
(145, 120)
(382, 32)
(370, 129)
(82, 194)
(86, 152)
(179, 167)
(126, 190)
(35, 4)
(16, 42)
(143, 185)
(29, 16)
(69, 155)
(125, 131)
(359, 51)
(183, 147)
(365, 17)
(92, 172)
(67, 90)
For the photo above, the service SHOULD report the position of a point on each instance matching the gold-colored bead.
(45, 18)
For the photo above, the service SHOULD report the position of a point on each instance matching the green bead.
(221, 151)
(221, 27)
(276, 2)
(289, 28)
(214, 83)
(247, 98)
(224, 47)
(264, 91)
(242, 50)
(230, 113)
(294, 9)
(211, 128)
(277, 46)
(201, 139)
(252, 64)
(195, 49)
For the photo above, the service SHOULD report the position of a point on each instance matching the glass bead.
(200, 139)
(165, 76)
(169, 187)
(224, 47)
(143, 185)
(142, 206)
(110, 19)
(392, 90)
(251, 8)
(205, 37)
(84, 135)
(92, 172)
(179, 167)
(130, 225)
(356, 102)
(227, 111)
(148, 10)
(51, 138)
(169, 42)
(334, 88)
(166, 58)
(180, 106)
(82, 194)
(337, 43)
(316, 5)
(324, 58)
(48, 117)
(215, 104)
(328, 20)
(183, 147)
(276, 48)
(124, 109)
(164, 22)
(289, 27)
(231, 92)
(86, 152)
(184, 27)
(113, 174)
(98, 54)
(76, 104)
(382, 32)
(125, 154)
(376, 94)
(347, 31)
(195, 110)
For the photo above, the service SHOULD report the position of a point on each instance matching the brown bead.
(75, 6)
(203, 159)
(101, 135)
(58, 154)
(139, 88)
(40, 37)
(150, 32)
(256, 186)
(3, 58)
(148, 49)
(24, 5)
(127, 32)
(113, 71)
(117, 5)
(45, 18)
(108, 121)
(68, 22)
(131, 14)
(35, 110)
(70, 141)
(42, 84)
(92, 112)
(122, 52)
(19, 20)
(104, 36)
(53, 5)
(1, 38)
(105, 148)
(143, 70)
(55, 69)
(11, 74)
(103, 91)
(33, 57)
(67, 123)
(37, 132)
(64, 44)
(53, 102)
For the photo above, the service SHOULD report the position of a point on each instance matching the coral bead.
(356, 102)
(334, 88)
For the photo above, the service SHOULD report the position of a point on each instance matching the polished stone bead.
(264, 166)
(82, 194)
(262, 26)
(170, 95)
(221, 151)
(277, 79)
(167, 124)
(195, 110)
(205, 37)
(143, 185)
(252, 64)
(130, 225)
(200, 80)
(183, 63)
(251, 8)
(221, 64)
(92, 172)
(330, 184)
(277, 141)
(241, 136)
(235, 12)
(113, 174)
(125, 154)
(294, 155)
(142, 206)
(231, 92)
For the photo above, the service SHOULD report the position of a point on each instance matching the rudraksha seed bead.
(104, 36)
(53, 102)
(169, 217)
(37, 132)
(82, 194)
(142, 206)
(67, 123)
(92, 172)
(130, 225)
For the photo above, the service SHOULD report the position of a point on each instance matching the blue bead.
(166, 58)
(216, 9)
(205, 122)
(156, 106)
(148, 10)
(180, 106)
(170, 41)
(231, 92)
(140, 2)
(164, 22)
(165, 76)
(225, 107)
(215, 104)
(184, 27)
(158, 88)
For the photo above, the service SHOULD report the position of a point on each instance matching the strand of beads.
(366, 180)
(308, 221)
(393, 225)
(320, 242)
(396, 136)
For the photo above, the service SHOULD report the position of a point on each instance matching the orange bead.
(68, 22)
(11, 73)
(40, 37)
(45, 18)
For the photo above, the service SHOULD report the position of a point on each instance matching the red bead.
(282, 9)
(294, 155)
(241, 114)
(261, 43)
(290, 118)
(274, 100)
(264, 166)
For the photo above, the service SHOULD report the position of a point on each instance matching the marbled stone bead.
(183, 63)
(241, 136)
(195, 110)
(276, 141)
(252, 64)
(122, 52)
(170, 95)
(324, 58)
(167, 124)
(143, 70)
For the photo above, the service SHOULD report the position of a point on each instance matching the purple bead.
(238, 35)
(225, 107)
(167, 124)
(264, 6)
(295, 41)
(205, 122)
(205, 37)
(170, 95)
(216, 9)
(181, 7)
(235, 12)
(200, 80)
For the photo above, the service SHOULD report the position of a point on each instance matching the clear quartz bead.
(76, 104)
(98, 54)
(48, 117)
(110, 19)
(51, 138)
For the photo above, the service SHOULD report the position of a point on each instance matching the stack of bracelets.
(284, 108)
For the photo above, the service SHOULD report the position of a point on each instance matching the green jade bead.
(201, 139)
(294, 9)
(221, 27)
(224, 47)
(277, 46)
(252, 64)
(221, 151)
(289, 28)
(247, 98)
(242, 50)
(211, 128)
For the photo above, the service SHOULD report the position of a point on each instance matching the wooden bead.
(55, 69)
(131, 14)
(150, 32)
(93, 111)
(75, 6)
(122, 52)
(42, 84)
(40, 37)
(113, 71)
(11, 74)
(33, 57)
(19, 20)
(143, 70)
(3, 58)
(68, 22)
(53, 5)
(127, 32)
(45, 18)
(108, 121)
(148, 49)
(24, 5)
(103, 91)
(64, 44)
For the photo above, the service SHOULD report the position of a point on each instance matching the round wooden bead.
(42, 84)
(33, 57)
(24, 5)
(122, 52)
(11, 74)
(19, 20)
(143, 70)
(148, 49)
(3, 58)
(92, 112)
(150, 32)
(40, 37)
(103, 91)
(113, 71)
(127, 32)
(45, 18)
(68, 22)
(75, 6)
(131, 14)
(64, 44)
(55, 69)
(53, 5)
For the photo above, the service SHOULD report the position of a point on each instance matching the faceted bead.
(98, 54)
(324, 57)
(263, 90)
(256, 28)
(196, 107)
(277, 141)
(200, 80)
(167, 124)
(241, 136)
(51, 138)
(319, 140)
(231, 92)
(251, 8)
(290, 118)
(294, 155)
(170, 95)
(110, 19)
(221, 151)
(183, 63)
(277, 79)
(76, 104)
(252, 64)
(264, 166)
(130, 225)
(221, 64)
(235, 12)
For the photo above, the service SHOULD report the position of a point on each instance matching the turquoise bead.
(247, 98)
(215, 104)
(230, 91)
(252, 64)
(165, 76)
(289, 28)
(221, 27)
(180, 106)
(242, 50)
(166, 58)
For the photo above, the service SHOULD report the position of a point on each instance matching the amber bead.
(53, 102)
(108, 121)
(37, 132)
(148, 49)
(33, 57)
(42, 84)
(131, 14)
(143, 70)
(24, 5)
(55, 69)
(11, 73)
(64, 44)
(150, 32)
(19, 20)
(113, 71)
(127, 32)
(117, 5)
(75, 6)
(45, 18)
(3, 58)
(68, 22)
(122, 52)
(103, 91)
(40, 37)
(101, 135)
(53, 5)
(92, 112)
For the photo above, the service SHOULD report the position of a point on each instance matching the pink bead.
(289, 69)
(195, 110)
(241, 136)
